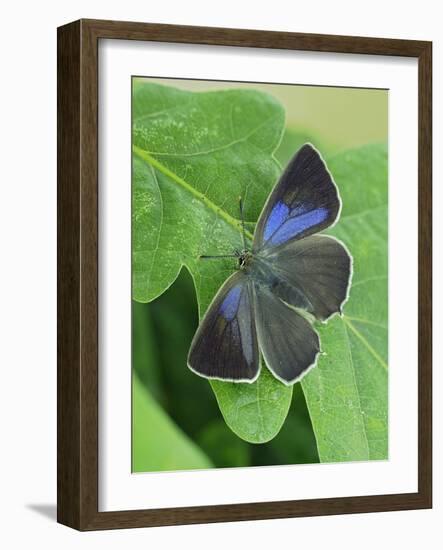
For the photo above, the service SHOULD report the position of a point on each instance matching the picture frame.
(78, 389)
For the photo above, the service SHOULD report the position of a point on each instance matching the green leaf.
(347, 393)
(194, 155)
(145, 357)
(255, 412)
(173, 450)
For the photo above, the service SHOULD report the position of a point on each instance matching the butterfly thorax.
(244, 259)
(257, 267)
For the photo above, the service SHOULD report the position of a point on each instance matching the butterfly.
(290, 277)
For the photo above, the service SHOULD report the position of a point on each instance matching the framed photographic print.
(244, 275)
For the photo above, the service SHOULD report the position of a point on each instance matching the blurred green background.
(176, 422)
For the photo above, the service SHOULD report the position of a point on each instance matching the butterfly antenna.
(204, 257)
(242, 217)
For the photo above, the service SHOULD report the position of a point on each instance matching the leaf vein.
(366, 343)
(356, 389)
(144, 155)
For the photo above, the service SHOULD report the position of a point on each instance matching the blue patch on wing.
(278, 215)
(229, 306)
(293, 226)
(284, 223)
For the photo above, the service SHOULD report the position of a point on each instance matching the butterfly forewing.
(304, 201)
(225, 344)
(287, 341)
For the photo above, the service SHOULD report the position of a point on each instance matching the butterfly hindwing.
(225, 344)
(312, 274)
(287, 340)
(304, 201)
